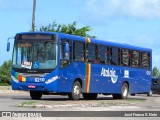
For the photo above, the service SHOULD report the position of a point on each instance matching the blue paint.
(108, 81)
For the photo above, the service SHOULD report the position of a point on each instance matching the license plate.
(31, 86)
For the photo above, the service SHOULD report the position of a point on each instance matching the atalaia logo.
(109, 73)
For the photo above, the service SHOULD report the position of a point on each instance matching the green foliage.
(155, 72)
(4, 84)
(68, 29)
(5, 73)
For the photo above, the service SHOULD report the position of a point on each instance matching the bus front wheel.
(76, 91)
(35, 95)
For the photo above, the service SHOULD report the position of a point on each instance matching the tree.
(5, 72)
(68, 29)
(155, 72)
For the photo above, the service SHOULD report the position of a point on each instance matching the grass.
(28, 103)
(109, 103)
(135, 100)
(121, 102)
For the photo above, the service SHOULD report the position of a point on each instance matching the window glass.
(35, 55)
(91, 53)
(115, 56)
(79, 50)
(103, 54)
(145, 60)
(135, 58)
(125, 57)
(66, 53)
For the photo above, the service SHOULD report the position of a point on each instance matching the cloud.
(155, 60)
(145, 40)
(15, 5)
(142, 40)
(126, 8)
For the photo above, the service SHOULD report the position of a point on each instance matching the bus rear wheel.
(124, 92)
(35, 95)
(132, 94)
(76, 91)
(149, 93)
(90, 96)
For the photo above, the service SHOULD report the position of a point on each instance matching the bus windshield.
(34, 55)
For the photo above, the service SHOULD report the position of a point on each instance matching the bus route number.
(39, 79)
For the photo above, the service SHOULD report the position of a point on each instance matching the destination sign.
(36, 36)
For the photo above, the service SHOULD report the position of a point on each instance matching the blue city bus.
(46, 63)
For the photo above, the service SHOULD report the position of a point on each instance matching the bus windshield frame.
(34, 55)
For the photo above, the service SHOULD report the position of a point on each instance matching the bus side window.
(125, 57)
(79, 51)
(66, 53)
(103, 54)
(91, 53)
(145, 60)
(135, 59)
(115, 56)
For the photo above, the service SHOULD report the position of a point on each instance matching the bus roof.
(95, 41)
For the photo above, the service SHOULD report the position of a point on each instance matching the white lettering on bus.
(109, 73)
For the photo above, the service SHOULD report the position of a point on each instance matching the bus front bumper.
(24, 86)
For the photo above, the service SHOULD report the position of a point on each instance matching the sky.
(135, 22)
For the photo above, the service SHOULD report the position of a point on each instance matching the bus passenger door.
(65, 65)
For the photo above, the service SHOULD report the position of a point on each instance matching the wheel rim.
(125, 90)
(76, 90)
(150, 93)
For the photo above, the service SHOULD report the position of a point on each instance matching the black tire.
(90, 96)
(115, 96)
(35, 95)
(124, 92)
(149, 93)
(76, 91)
(132, 94)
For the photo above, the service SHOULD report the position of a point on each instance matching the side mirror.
(67, 51)
(8, 43)
(8, 46)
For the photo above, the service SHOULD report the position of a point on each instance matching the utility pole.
(33, 15)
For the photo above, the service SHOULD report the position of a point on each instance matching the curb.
(59, 106)
(12, 91)
(8, 89)
(5, 88)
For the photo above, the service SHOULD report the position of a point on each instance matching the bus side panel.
(105, 79)
(97, 80)
(109, 79)
(99, 83)
(69, 74)
(140, 81)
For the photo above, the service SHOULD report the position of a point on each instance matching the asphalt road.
(11, 101)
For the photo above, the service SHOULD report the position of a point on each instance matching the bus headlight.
(51, 79)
